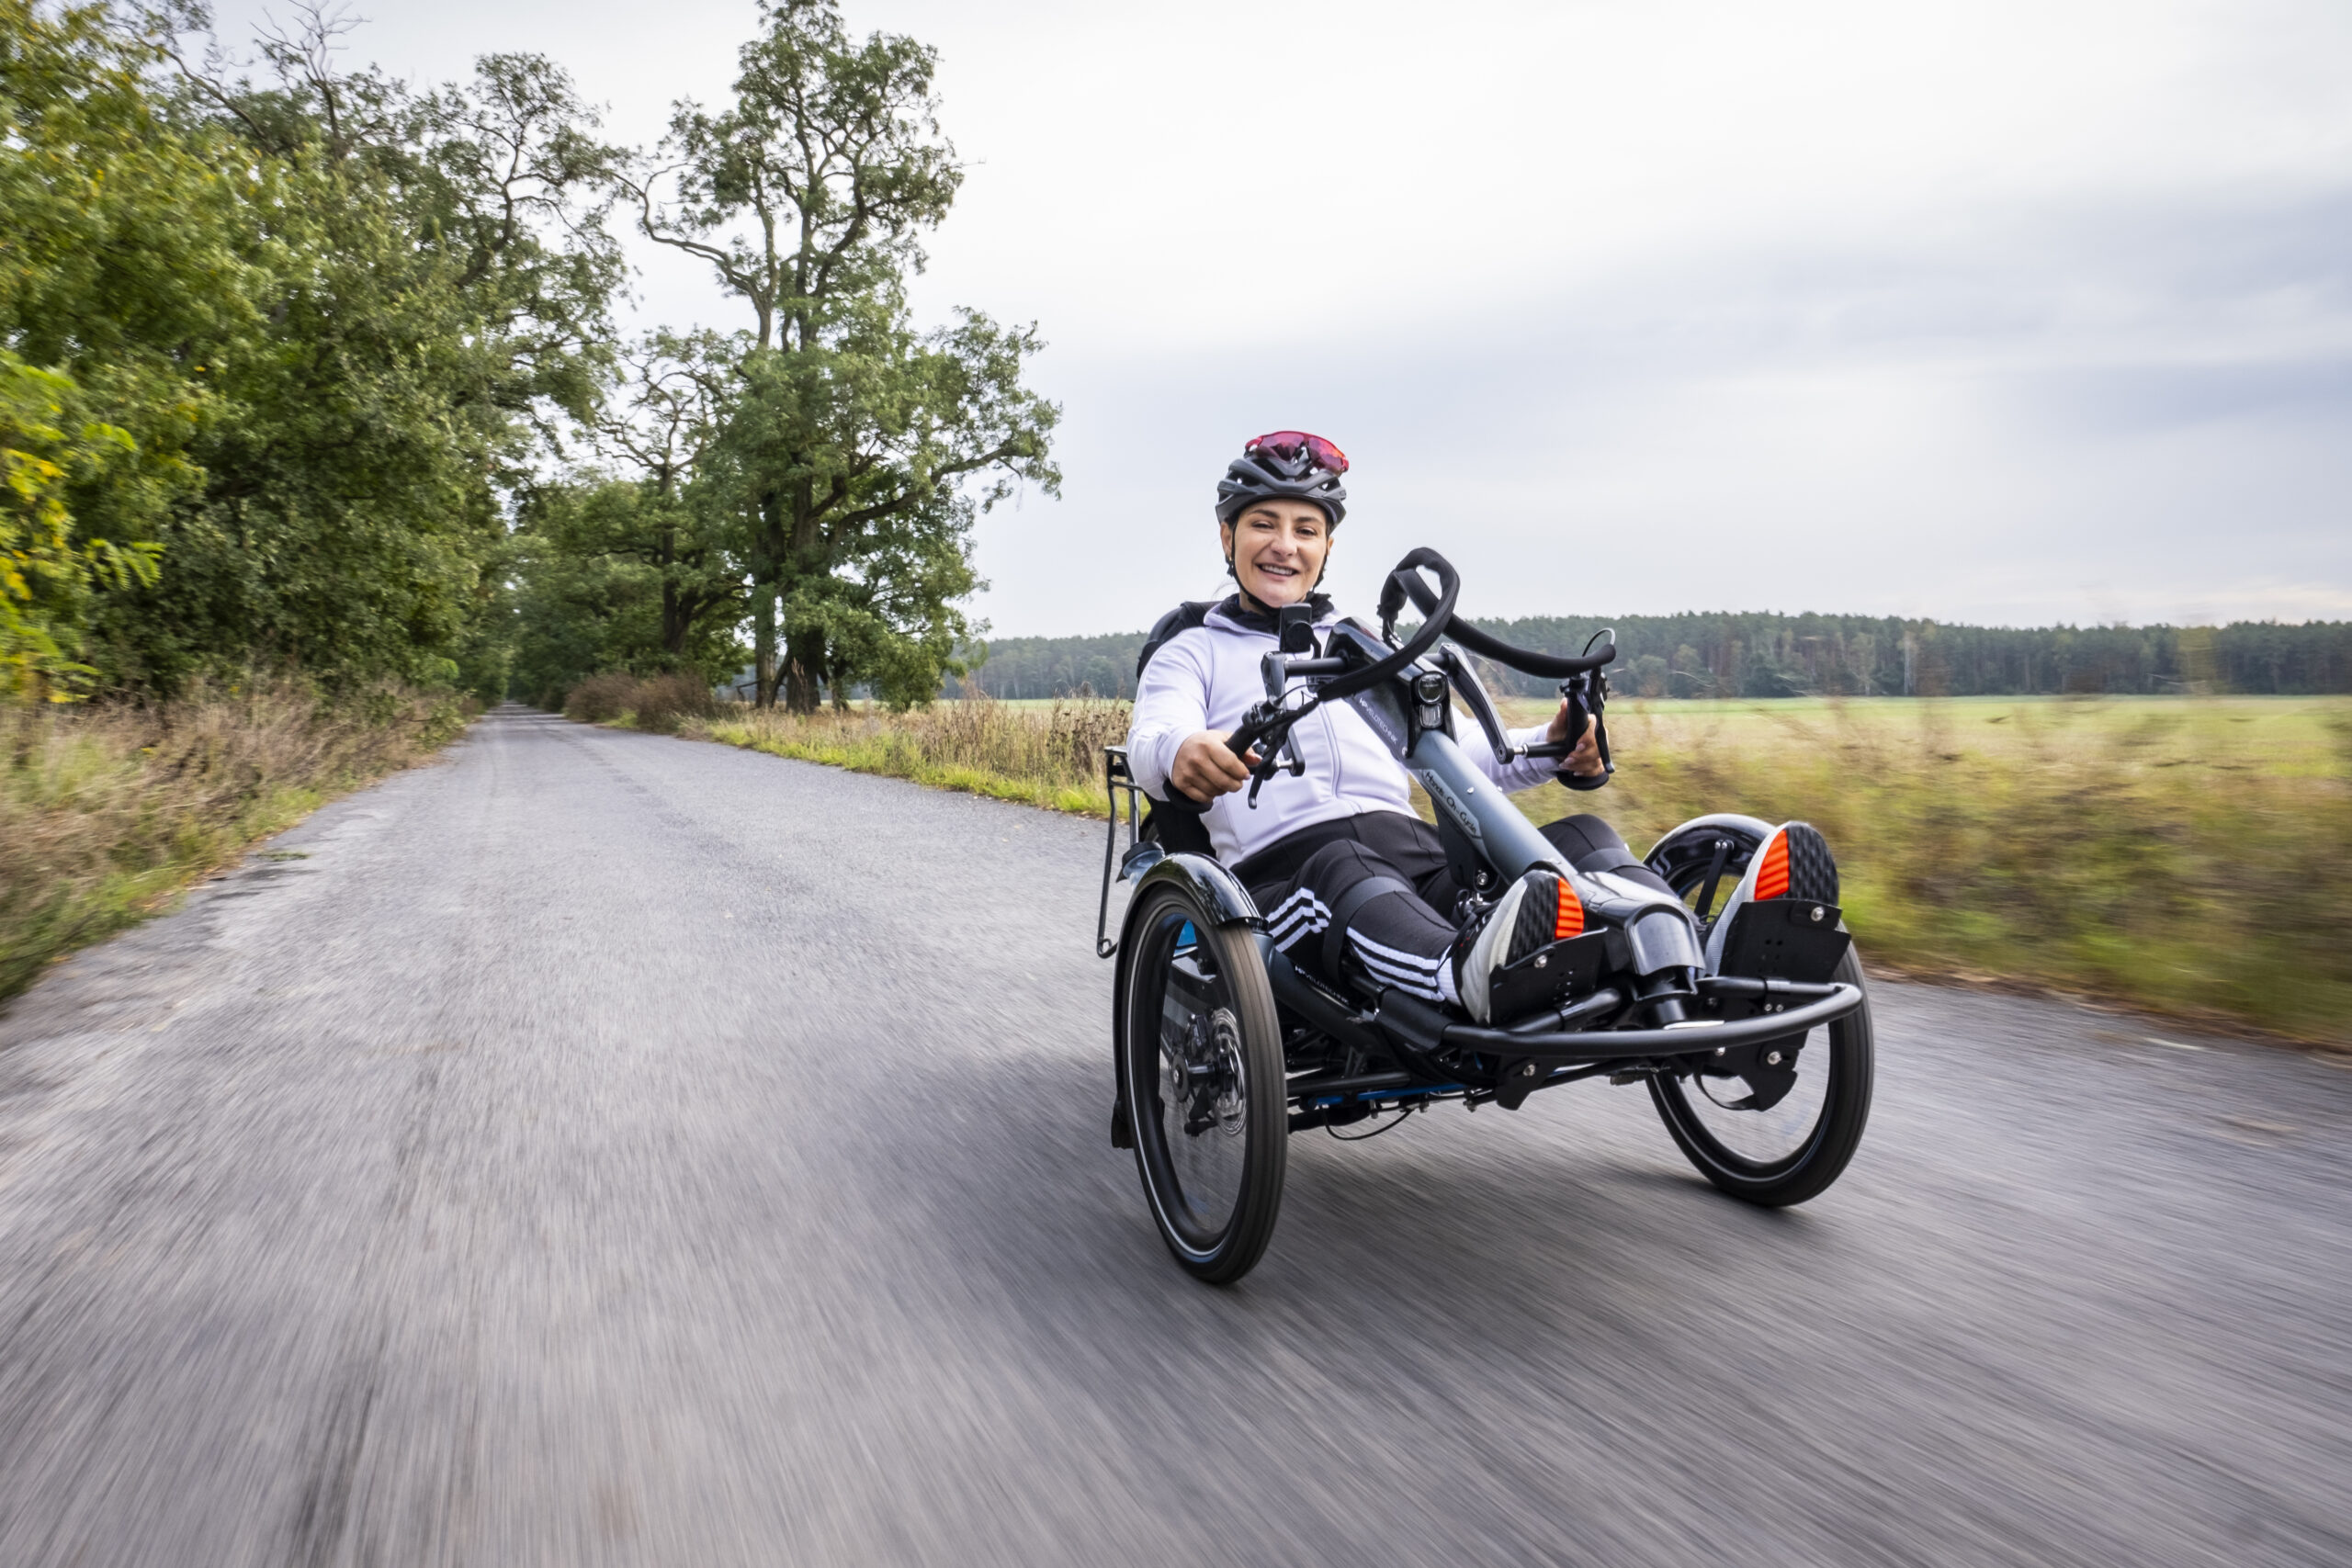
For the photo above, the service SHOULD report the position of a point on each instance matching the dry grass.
(2189, 857)
(107, 810)
(1048, 755)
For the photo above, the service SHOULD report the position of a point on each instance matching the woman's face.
(1278, 550)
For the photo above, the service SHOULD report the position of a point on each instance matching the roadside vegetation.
(1047, 754)
(2192, 857)
(2188, 857)
(107, 810)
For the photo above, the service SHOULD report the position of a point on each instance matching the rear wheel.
(1783, 1134)
(1201, 1069)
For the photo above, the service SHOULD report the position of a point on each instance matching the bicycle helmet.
(1287, 465)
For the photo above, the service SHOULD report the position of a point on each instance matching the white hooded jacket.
(1207, 678)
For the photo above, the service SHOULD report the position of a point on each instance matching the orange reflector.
(1569, 921)
(1772, 876)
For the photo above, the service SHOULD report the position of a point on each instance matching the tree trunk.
(675, 623)
(838, 683)
(804, 647)
(763, 643)
(804, 656)
(767, 572)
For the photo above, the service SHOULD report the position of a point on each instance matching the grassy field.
(107, 812)
(2191, 856)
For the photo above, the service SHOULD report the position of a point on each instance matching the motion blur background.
(1991, 312)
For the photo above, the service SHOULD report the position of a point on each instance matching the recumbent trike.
(1224, 1047)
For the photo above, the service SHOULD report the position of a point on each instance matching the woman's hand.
(1585, 760)
(1206, 766)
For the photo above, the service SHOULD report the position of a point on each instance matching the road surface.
(602, 1148)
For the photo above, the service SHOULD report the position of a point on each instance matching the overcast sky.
(1987, 310)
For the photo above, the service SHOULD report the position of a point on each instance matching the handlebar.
(1524, 659)
(1270, 720)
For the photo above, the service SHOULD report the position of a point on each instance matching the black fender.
(1211, 886)
(1213, 889)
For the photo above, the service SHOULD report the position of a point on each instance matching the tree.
(634, 569)
(855, 435)
(676, 392)
(426, 281)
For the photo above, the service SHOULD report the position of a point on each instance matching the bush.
(657, 702)
(600, 699)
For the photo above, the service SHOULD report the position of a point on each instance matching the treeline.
(1701, 655)
(304, 370)
(275, 344)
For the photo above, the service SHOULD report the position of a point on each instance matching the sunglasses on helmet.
(1288, 443)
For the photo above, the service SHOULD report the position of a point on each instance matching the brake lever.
(1588, 699)
(1277, 757)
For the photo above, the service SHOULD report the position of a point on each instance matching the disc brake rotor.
(1232, 1078)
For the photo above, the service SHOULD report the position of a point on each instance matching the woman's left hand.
(1585, 760)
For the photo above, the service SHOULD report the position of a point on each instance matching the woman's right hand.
(1206, 766)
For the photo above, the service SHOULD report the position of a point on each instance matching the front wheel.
(1784, 1133)
(1201, 1069)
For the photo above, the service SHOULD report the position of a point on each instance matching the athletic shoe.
(1534, 912)
(1797, 865)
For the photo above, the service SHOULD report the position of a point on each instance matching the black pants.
(1377, 886)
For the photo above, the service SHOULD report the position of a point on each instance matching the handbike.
(1224, 1047)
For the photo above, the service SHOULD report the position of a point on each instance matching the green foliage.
(119, 252)
(1712, 655)
(47, 574)
(856, 449)
(434, 303)
(333, 320)
(632, 565)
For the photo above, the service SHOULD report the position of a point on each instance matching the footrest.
(1547, 977)
(1785, 939)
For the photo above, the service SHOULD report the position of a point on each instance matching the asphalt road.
(603, 1148)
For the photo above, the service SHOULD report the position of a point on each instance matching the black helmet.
(1289, 464)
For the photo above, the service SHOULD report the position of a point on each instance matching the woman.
(1336, 859)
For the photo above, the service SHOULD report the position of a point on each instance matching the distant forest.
(1701, 655)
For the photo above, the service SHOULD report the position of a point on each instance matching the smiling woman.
(1277, 510)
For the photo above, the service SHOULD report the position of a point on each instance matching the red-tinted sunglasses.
(1288, 443)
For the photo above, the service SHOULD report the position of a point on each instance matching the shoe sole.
(1798, 864)
(1546, 916)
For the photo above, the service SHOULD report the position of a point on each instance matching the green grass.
(106, 813)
